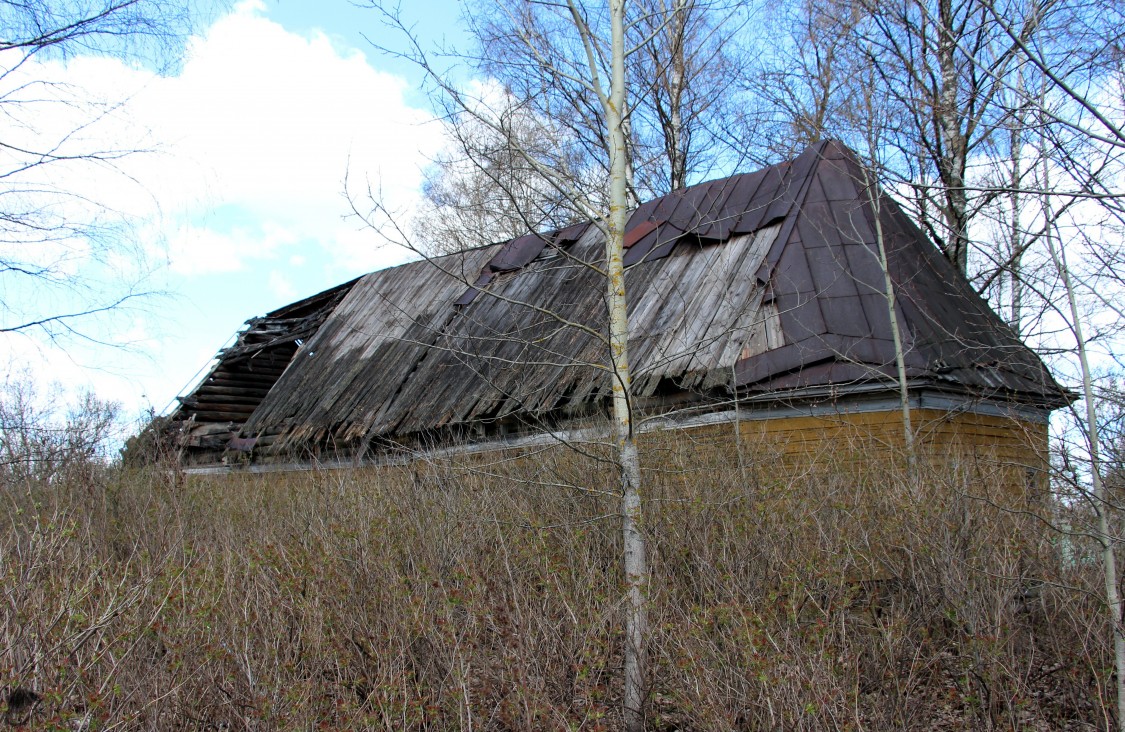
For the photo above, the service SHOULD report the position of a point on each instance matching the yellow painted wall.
(1001, 437)
(997, 449)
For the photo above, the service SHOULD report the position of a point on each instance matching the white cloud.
(252, 137)
(277, 116)
(201, 250)
(275, 120)
(281, 286)
(259, 125)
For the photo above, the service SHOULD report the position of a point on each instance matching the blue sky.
(348, 26)
(240, 207)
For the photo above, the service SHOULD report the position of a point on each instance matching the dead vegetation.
(488, 597)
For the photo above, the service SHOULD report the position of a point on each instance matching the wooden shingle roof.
(765, 282)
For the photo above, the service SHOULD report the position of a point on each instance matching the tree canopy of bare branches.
(684, 112)
(58, 235)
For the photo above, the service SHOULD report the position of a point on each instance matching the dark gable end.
(830, 291)
(767, 282)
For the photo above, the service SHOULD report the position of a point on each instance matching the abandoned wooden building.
(758, 300)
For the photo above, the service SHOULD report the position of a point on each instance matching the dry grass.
(450, 598)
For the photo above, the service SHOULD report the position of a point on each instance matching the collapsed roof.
(767, 283)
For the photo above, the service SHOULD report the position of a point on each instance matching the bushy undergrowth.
(488, 597)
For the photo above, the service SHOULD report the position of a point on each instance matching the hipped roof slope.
(765, 282)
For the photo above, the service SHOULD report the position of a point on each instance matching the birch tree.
(600, 185)
(684, 112)
(875, 121)
(1103, 508)
(1085, 304)
(944, 65)
(808, 88)
(1066, 209)
(636, 562)
(948, 72)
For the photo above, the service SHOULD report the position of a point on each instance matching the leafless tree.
(688, 71)
(55, 238)
(574, 77)
(1065, 189)
(807, 88)
(479, 190)
(42, 439)
(995, 124)
(683, 114)
(951, 73)
(683, 58)
(944, 65)
(1000, 127)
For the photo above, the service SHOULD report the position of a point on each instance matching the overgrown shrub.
(485, 594)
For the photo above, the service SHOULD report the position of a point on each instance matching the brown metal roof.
(831, 295)
(771, 277)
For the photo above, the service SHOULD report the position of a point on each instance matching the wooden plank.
(215, 416)
(233, 396)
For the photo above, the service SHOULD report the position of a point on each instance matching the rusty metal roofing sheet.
(517, 253)
(634, 234)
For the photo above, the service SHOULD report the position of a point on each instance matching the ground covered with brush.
(487, 595)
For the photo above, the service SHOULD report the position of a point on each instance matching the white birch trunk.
(1101, 506)
(1015, 237)
(1105, 533)
(953, 141)
(635, 559)
(871, 191)
(900, 356)
(676, 154)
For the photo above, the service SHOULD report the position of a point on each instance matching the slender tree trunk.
(1106, 534)
(676, 155)
(1101, 505)
(871, 190)
(636, 562)
(631, 198)
(1015, 236)
(954, 145)
(900, 354)
(889, 285)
